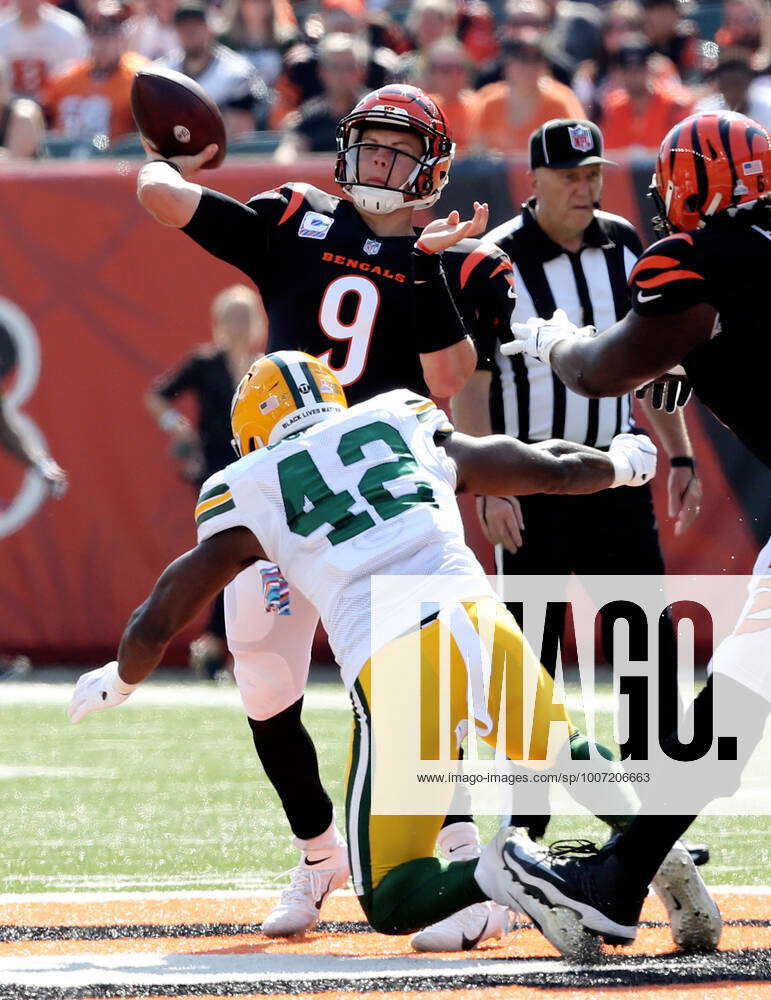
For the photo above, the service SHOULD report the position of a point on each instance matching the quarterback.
(335, 495)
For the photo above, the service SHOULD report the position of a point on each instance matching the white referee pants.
(271, 652)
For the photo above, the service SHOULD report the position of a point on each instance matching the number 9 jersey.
(366, 492)
(334, 289)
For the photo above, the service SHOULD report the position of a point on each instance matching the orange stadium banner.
(96, 299)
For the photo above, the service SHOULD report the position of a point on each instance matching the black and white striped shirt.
(527, 399)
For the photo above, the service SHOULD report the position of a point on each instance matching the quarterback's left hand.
(98, 689)
(538, 336)
(444, 233)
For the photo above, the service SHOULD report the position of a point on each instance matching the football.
(176, 115)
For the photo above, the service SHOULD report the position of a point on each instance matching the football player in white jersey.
(335, 496)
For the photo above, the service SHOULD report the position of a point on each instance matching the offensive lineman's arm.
(634, 351)
(499, 465)
(182, 590)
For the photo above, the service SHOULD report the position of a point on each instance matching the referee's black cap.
(566, 142)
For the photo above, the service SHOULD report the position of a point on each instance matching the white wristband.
(624, 473)
(116, 681)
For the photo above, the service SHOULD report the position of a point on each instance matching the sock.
(648, 839)
(288, 755)
(460, 806)
(625, 800)
(459, 841)
(331, 840)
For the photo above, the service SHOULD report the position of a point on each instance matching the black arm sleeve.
(437, 320)
(231, 231)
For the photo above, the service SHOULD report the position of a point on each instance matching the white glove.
(538, 336)
(634, 459)
(98, 689)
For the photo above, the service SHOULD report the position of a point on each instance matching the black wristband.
(683, 462)
(174, 166)
(425, 266)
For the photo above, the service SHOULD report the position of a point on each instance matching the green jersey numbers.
(309, 501)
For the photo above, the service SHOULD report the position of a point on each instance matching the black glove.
(670, 391)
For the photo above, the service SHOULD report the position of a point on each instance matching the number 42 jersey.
(366, 492)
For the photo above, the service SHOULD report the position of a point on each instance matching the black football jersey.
(334, 289)
(728, 267)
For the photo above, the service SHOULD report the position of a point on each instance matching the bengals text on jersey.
(334, 289)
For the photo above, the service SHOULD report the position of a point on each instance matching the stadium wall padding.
(115, 299)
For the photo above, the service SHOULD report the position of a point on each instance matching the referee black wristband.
(683, 462)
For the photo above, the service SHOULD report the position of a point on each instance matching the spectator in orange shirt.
(92, 100)
(641, 111)
(447, 80)
(509, 111)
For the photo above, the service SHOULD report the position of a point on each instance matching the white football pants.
(271, 652)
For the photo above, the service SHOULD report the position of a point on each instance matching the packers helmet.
(282, 393)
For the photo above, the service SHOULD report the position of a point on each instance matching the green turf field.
(167, 793)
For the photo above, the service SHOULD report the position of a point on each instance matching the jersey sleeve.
(494, 295)
(486, 296)
(669, 277)
(435, 425)
(217, 509)
(430, 417)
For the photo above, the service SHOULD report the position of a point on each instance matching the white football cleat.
(693, 913)
(475, 924)
(319, 873)
(465, 929)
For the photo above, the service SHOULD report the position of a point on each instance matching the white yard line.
(11, 899)
(153, 969)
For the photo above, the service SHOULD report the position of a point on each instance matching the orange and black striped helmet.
(708, 163)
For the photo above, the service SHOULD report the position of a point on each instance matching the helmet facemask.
(428, 172)
(390, 195)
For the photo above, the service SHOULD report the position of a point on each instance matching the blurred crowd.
(289, 70)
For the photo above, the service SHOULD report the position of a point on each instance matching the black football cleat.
(575, 874)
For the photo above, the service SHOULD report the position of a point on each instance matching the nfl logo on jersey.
(580, 138)
(314, 226)
(372, 247)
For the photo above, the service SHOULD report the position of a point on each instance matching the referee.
(568, 254)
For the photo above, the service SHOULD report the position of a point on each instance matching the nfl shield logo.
(581, 138)
(372, 247)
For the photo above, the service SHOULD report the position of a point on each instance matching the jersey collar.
(544, 248)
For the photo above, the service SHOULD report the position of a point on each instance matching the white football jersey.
(365, 492)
